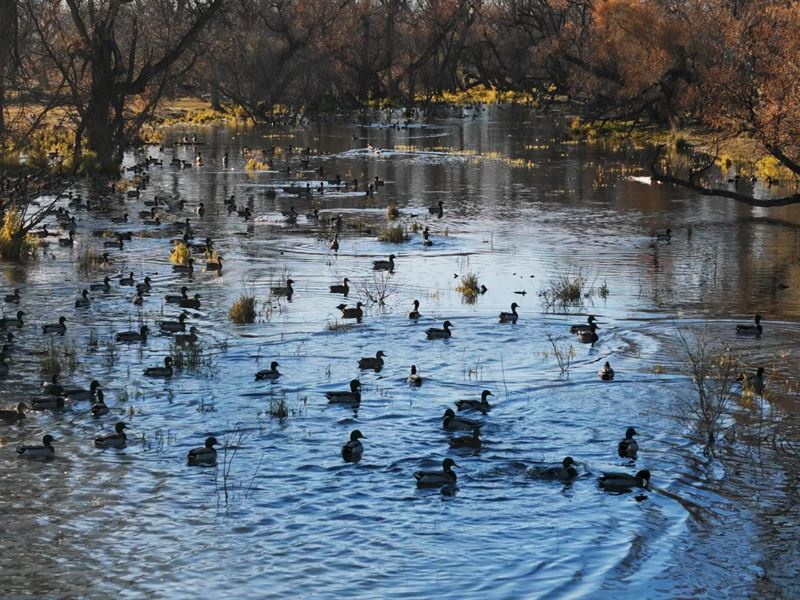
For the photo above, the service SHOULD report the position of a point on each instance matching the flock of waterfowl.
(55, 396)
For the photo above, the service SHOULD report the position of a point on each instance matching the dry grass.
(396, 234)
(469, 287)
(243, 311)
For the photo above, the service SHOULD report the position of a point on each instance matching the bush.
(243, 310)
(14, 244)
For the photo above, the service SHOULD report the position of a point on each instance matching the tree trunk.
(101, 132)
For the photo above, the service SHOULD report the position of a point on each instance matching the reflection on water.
(91, 522)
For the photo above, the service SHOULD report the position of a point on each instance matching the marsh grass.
(199, 358)
(563, 352)
(469, 287)
(395, 234)
(392, 212)
(571, 291)
(243, 311)
(89, 260)
(58, 358)
(336, 326)
(378, 290)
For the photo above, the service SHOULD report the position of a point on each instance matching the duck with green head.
(445, 477)
(563, 471)
(353, 450)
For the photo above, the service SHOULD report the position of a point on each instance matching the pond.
(522, 206)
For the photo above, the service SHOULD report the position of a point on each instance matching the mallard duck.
(436, 209)
(191, 302)
(753, 381)
(414, 314)
(12, 416)
(113, 440)
(350, 397)
(353, 450)
(174, 326)
(352, 313)
(445, 477)
(583, 327)
(206, 455)
(414, 379)
(437, 334)
(189, 338)
(148, 214)
(3, 367)
(563, 471)
(426, 240)
(84, 301)
(588, 337)
(69, 241)
(344, 288)
(99, 408)
(47, 403)
(165, 371)
(291, 215)
(129, 280)
(481, 405)
(46, 450)
(286, 290)
(52, 387)
(510, 317)
(138, 299)
(470, 441)
(101, 287)
(176, 299)
(751, 330)
(59, 328)
(334, 245)
(122, 219)
(118, 243)
(77, 394)
(186, 269)
(215, 265)
(450, 422)
(270, 374)
(384, 265)
(622, 482)
(12, 321)
(665, 236)
(372, 363)
(606, 373)
(628, 448)
(133, 336)
(144, 287)
(13, 298)
(200, 210)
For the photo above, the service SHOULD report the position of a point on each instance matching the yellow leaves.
(180, 255)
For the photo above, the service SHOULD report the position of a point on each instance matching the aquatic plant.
(567, 290)
(337, 326)
(469, 287)
(88, 260)
(255, 165)
(392, 212)
(563, 353)
(180, 254)
(56, 358)
(379, 289)
(196, 357)
(396, 234)
(15, 242)
(243, 311)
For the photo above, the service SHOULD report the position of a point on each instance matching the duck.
(13, 298)
(174, 326)
(665, 236)
(753, 381)
(583, 327)
(286, 290)
(334, 245)
(118, 439)
(510, 317)
(46, 450)
(414, 379)
(144, 287)
(165, 371)
(119, 220)
(589, 336)
(68, 241)
(187, 268)
(59, 328)
(114, 244)
(350, 397)
(445, 477)
(138, 299)
(628, 448)
(99, 408)
(437, 334)
(352, 313)
(313, 216)
(426, 240)
(372, 363)
(437, 209)
(270, 374)
(84, 301)
(450, 422)
(186, 339)
(205, 455)
(52, 387)
(344, 288)
(751, 330)
(47, 403)
(563, 471)
(215, 265)
(606, 373)
(191, 302)
(200, 210)
(129, 280)
(414, 314)
(148, 214)
(101, 287)
(12, 416)
(622, 482)
(77, 393)
(469, 441)
(384, 265)
(353, 450)
(3, 366)
(177, 298)
(133, 336)
(481, 405)
(290, 216)
(12, 321)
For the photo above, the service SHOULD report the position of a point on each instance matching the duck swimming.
(473, 441)
(60, 328)
(334, 245)
(47, 403)
(144, 287)
(77, 394)
(445, 477)
(191, 302)
(384, 265)
(628, 448)
(372, 363)
(129, 280)
(177, 298)
(437, 334)
(12, 416)
(481, 405)
(84, 301)
(563, 471)
(352, 313)
(450, 422)
(188, 268)
(13, 298)
(133, 336)
(174, 326)
(344, 288)
(437, 209)
(52, 387)
(12, 321)
(606, 373)
(622, 482)
(285, 291)
(588, 337)
(751, 330)
(587, 327)
(118, 439)
(205, 455)
(46, 450)
(353, 450)
(414, 379)
(351, 397)
(510, 317)
(187, 338)
(99, 408)
(270, 374)
(414, 314)
(165, 371)
(101, 287)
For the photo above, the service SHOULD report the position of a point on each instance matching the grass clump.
(337, 326)
(567, 291)
(396, 234)
(469, 287)
(392, 212)
(180, 254)
(255, 165)
(14, 242)
(57, 358)
(243, 311)
(196, 357)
